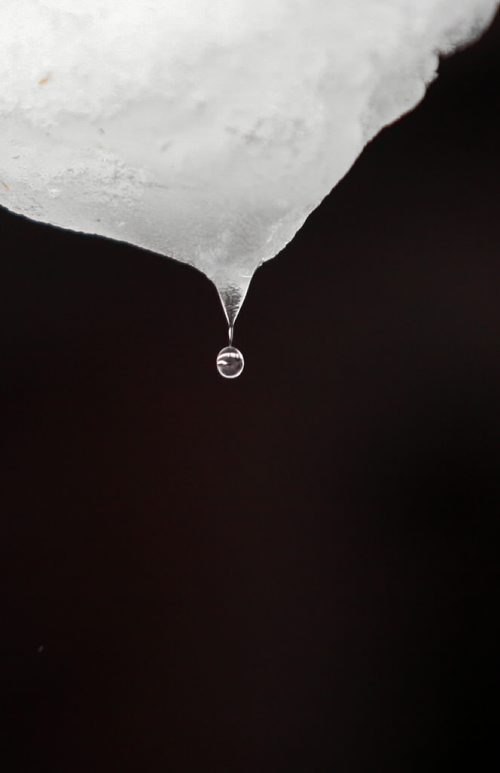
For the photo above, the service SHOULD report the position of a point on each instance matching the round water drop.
(230, 362)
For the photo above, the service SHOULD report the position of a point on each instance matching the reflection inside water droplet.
(230, 362)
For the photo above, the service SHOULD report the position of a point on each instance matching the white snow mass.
(206, 130)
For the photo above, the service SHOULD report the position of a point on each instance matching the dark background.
(294, 571)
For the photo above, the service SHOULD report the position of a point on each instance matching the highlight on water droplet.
(230, 362)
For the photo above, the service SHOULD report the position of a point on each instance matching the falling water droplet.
(230, 362)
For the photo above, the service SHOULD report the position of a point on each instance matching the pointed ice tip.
(232, 298)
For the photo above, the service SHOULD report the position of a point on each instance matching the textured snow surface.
(205, 130)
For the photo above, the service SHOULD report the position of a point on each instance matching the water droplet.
(230, 362)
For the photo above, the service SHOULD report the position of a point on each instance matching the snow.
(206, 130)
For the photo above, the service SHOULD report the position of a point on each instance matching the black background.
(296, 570)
